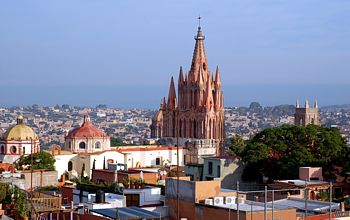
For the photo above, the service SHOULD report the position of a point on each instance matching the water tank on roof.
(100, 196)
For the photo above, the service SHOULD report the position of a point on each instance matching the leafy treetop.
(279, 152)
(41, 161)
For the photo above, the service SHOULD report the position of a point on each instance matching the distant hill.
(335, 108)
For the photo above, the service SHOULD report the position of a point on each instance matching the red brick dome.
(87, 129)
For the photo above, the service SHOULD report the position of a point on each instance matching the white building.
(88, 146)
(132, 156)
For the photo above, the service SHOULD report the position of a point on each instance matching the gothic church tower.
(306, 115)
(195, 116)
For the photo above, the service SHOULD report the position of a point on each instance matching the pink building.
(310, 173)
(196, 113)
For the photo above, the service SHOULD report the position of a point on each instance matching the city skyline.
(53, 54)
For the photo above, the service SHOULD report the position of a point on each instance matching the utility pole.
(273, 205)
(31, 175)
(306, 194)
(229, 212)
(177, 165)
(237, 200)
(265, 204)
(330, 200)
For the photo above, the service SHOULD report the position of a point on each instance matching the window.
(132, 199)
(2, 149)
(24, 150)
(157, 161)
(98, 145)
(82, 145)
(210, 168)
(70, 166)
(13, 149)
(70, 145)
(218, 171)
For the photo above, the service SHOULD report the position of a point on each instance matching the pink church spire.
(172, 95)
(199, 59)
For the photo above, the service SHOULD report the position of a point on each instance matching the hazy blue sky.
(123, 53)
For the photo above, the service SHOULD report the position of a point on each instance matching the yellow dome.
(20, 132)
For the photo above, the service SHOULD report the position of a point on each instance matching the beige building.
(306, 115)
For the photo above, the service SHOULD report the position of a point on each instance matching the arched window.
(2, 151)
(98, 145)
(70, 166)
(82, 145)
(194, 128)
(13, 149)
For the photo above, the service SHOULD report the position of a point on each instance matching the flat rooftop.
(312, 205)
(130, 212)
(299, 182)
(248, 206)
(244, 207)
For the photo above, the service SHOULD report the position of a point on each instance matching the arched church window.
(98, 145)
(13, 149)
(70, 166)
(82, 145)
(195, 129)
(2, 151)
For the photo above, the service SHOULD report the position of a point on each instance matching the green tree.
(4, 192)
(22, 204)
(82, 174)
(117, 141)
(237, 145)
(41, 161)
(279, 152)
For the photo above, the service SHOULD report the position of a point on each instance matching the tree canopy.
(279, 152)
(237, 145)
(115, 141)
(41, 161)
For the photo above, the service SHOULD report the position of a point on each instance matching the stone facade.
(306, 115)
(196, 118)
